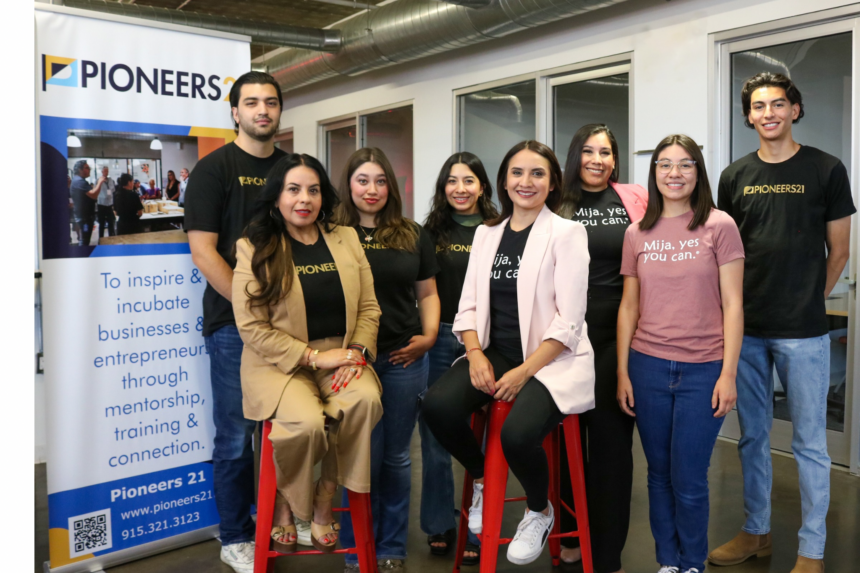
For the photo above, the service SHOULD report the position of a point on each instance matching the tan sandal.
(319, 531)
(284, 532)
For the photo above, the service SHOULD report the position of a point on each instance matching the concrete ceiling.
(311, 13)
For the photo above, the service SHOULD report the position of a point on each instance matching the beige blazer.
(276, 337)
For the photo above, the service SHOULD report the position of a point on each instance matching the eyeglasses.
(685, 166)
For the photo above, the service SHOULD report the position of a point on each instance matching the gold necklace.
(368, 235)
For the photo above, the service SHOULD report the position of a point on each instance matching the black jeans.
(107, 221)
(451, 400)
(607, 444)
(85, 231)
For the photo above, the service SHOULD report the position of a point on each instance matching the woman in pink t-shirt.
(680, 328)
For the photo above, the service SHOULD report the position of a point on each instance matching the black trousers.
(107, 221)
(451, 400)
(607, 444)
(85, 231)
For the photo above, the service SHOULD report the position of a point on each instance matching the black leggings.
(451, 400)
(607, 443)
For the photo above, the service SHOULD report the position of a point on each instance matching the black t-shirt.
(453, 262)
(606, 221)
(219, 199)
(325, 305)
(504, 308)
(782, 210)
(394, 276)
(126, 204)
(85, 208)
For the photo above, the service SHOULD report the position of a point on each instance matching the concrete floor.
(843, 523)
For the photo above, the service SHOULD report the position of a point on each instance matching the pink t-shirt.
(680, 310)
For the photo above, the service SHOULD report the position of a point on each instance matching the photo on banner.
(130, 431)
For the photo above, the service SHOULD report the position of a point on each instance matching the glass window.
(391, 131)
(284, 141)
(494, 120)
(598, 100)
(339, 145)
(821, 68)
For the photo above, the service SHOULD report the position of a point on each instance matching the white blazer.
(552, 291)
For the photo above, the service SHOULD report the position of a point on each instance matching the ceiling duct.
(260, 32)
(407, 30)
(477, 4)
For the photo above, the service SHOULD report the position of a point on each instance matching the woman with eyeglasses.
(680, 328)
(593, 197)
(462, 202)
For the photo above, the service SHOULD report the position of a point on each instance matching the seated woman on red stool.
(306, 310)
(544, 361)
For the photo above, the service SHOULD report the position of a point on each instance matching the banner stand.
(99, 564)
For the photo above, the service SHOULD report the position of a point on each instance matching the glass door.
(821, 60)
(340, 142)
(595, 96)
(391, 131)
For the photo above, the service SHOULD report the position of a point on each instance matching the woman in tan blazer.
(306, 310)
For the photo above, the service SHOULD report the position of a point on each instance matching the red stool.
(496, 480)
(359, 508)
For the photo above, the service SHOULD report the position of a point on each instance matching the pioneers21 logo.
(71, 72)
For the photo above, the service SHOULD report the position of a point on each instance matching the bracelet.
(314, 363)
(471, 349)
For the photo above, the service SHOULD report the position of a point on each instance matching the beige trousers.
(299, 438)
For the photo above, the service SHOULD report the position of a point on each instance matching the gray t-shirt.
(106, 194)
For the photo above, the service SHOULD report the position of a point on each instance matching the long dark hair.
(701, 201)
(272, 263)
(440, 221)
(555, 179)
(393, 230)
(572, 178)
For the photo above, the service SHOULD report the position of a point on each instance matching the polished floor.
(843, 523)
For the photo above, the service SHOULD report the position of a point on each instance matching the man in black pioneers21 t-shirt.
(218, 203)
(793, 207)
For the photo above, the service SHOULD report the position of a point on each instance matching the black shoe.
(447, 538)
(472, 560)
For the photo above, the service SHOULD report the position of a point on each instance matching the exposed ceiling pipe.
(508, 98)
(477, 4)
(260, 32)
(411, 29)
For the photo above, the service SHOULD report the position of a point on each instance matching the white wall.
(669, 83)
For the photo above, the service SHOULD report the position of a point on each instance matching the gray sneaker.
(303, 530)
(395, 565)
(351, 568)
(239, 556)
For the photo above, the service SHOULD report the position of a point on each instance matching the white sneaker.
(476, 512)
(668, 569)
(239, 556)
(303, 530)
(692, 570)
(532, 533)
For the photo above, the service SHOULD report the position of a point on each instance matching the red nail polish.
(332, 376)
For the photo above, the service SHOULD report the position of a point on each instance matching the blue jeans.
(678, 430)
(390, 464)
(803, 366)
(233, 458)
(437, 479)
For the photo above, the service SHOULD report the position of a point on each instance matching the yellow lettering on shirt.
(373, 246)
(258, 181)
(768, 189)
(314, 269)
(456, 248)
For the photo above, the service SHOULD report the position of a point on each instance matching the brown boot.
(807, 565)
(741, 548)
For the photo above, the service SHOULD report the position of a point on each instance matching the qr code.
(90, 533)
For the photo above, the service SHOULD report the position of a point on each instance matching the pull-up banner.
(130, 433)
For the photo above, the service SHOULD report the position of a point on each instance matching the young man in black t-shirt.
(218, 203)
(789, 202)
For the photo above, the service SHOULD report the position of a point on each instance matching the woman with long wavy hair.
(403, 261)
(306, 310)
(463, 200)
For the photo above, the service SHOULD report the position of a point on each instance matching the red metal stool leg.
(478, 425)
(496, 472)
(362, 521)
(551, 445)
(265, 504)
(577, 477)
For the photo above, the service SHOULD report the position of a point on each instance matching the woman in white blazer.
(522, 320)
